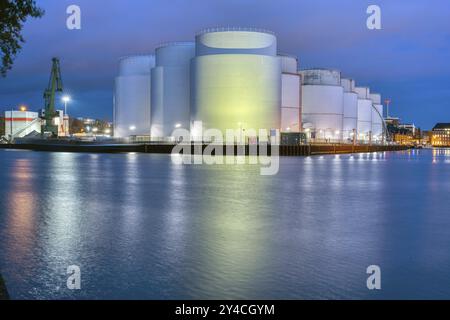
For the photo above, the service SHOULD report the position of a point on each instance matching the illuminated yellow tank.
(236, 80)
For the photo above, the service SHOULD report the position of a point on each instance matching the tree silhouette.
(13, 14)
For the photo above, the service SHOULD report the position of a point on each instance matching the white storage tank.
(290, 94)
(350, 125)
(377, 117)
(289, 64)
(323, 103)
(364, 113)
(321, 77)
(291, 120)
(236, 41)
(171, 89)
(132, 105)
(236, 80)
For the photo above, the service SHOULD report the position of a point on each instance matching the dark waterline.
(141, 227)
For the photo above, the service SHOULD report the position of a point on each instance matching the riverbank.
(3, 292)
(285, 150)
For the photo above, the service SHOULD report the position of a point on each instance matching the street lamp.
(66, 100)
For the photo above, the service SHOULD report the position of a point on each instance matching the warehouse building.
(235, 78)
(19, 124)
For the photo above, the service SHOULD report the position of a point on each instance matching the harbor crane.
(54, 85)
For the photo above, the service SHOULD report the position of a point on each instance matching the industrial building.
(19, 124)
(235, 78)
(23, 123)
(440, 135)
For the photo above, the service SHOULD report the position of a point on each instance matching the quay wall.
(285, 150)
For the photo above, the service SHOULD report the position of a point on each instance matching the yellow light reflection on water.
(21, 205)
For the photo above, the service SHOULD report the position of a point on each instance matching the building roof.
(442, 126)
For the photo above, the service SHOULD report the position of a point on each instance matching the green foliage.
(13, 14)
(3, 291)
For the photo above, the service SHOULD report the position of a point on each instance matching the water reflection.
(142, 227)
(21, 204)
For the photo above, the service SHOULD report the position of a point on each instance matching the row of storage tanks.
(235, 79)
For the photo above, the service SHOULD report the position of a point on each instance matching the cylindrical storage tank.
(350, 125)
(290, 103)
(132, 102)
(348, 85)
(363, 92)
(236, 81)
(236, 41)
(289, 64)
(377, 117)
(171, 89)
(323, 103)
(290, 94)
(364, 113)
(375, 97)
(321, 77)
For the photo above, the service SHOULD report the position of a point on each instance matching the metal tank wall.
(290, 107)
(170, 93)
(290, 95)
(364, 113)
(132, 102)
(377, 114)
(236, 41)
(236, 81)
(289, 64)
(350, 124)
(323, 103)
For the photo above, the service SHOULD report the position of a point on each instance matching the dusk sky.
(407, 61)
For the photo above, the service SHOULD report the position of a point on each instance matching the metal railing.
(230, 29)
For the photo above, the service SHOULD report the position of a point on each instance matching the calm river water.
(141, 227)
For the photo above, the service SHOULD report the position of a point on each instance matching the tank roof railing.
(230, 29)
(174, 43)
(288, 55)
(136, 56)
(321, 69)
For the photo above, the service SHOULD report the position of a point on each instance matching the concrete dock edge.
(284, 150)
